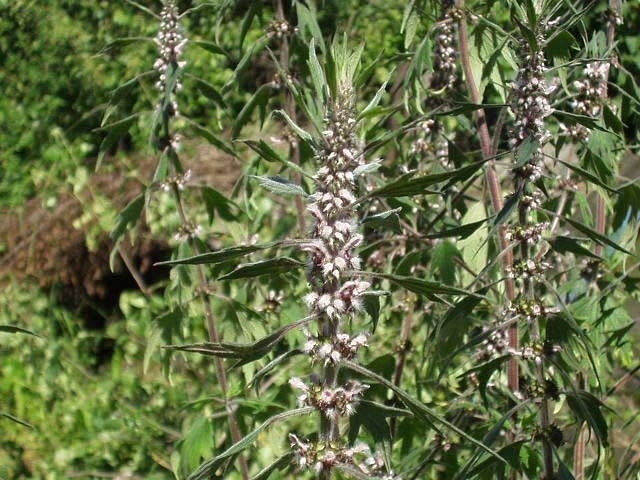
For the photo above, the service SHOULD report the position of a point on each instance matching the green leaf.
(562, 245)
(407, 186)
(463, 231)
(197, 443)
(587, 408)
(587, 175)
(245, 352)
(419, 409)
(14, 329)
(454, 326)
(245, 61)
(13, 418)
(270, 155)
(264, 267)
(317, 75)
(595, 236)
(255, 381)
(208, 468)
(213, 139)
(115, 132)
(304, 135)
(280, 185)
(210, 47)
(442, 261)
(423, 287)
(217, 202)
(281, 463)
(219, 256)
(525, 150)
(128, 217)
(372, 416)
(611, 120)
(308, 23)
(388, 220)
(374, 101)
(123, 42)
(259, 99)
(207, 90)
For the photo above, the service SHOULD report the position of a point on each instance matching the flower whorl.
(531, 107)
(171, 43)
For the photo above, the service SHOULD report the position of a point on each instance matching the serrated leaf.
(245, 61)
(213, 139)
(270, 155)
(367, 168)
(271, 266)
(219, 256)
(407, 185)
(370, 109)
(587, 175)
(208, 468)
(442, 261)
(128, 217)
(255, 381)
(424, 287)
(307, 22)
(123, 42)
(280, 185)
(317, 75)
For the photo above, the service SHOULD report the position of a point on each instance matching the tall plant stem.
(600, 224)
(291, 110)
(492, 180)
(212, 330)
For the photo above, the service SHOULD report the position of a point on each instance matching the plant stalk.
(493, 182)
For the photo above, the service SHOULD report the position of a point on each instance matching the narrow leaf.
(423, 287)
(14, 329)
(208, 468)
(407, 186)
(15, 419)
(304, 135)
(595, 236)
(463, 231)
(264, 267)
(128, 217)
(280, 185)
(219, 256)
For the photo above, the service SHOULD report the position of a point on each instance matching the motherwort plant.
(171, 43)
(528, 136)
(337, 290)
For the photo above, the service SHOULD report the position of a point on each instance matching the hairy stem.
(492, 180)
(212, 330)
